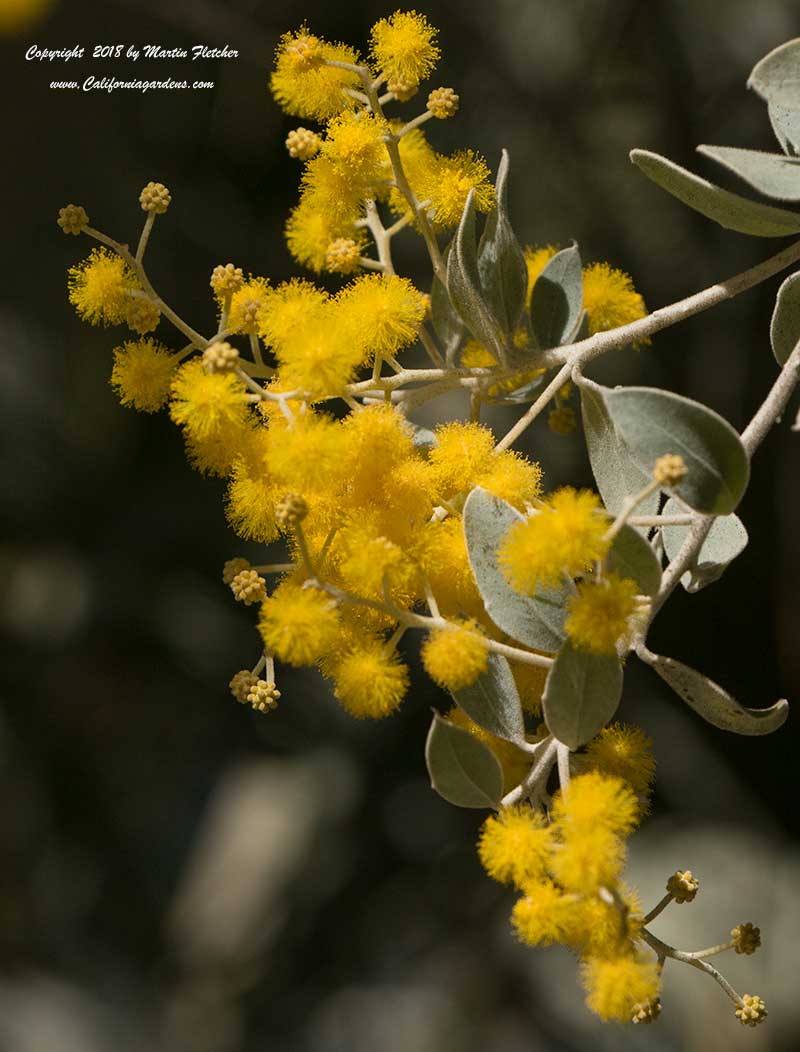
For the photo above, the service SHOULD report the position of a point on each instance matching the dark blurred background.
(177, 873)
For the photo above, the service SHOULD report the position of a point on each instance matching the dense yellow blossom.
(100, 287)
(616, 984)
(310, 229)
(291, 306)
(513, 478)
(251, 500)
(369, 682)
(515, 845)
(142, 374)
(443, 556)
(596, 800)
(216, 453)
(609, 298)
(600, 612)
(383, 313)
(463, 451)
(305, 455)
(589, 858)
(204, 402)
(354, 146)
(298, 624)
(543, 915)
(624, 752)
(403, 47)
(375, 440)
(303, 85)
(565, 536)
(454, 657)
(446, 184)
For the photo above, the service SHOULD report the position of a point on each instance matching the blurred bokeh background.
(177, 873)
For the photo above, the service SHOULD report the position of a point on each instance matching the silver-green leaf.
(727, 209)
(785, 123)
(581, 695)
(462, 769)
(537, 622)
(726, 539)
(776, 77)
(784, 329)
(557, 298)
(771, 174)
(654, 422)
(464, 285)
(632, 556)
(447, 323)
(617, 474)
(501, 262)
(714, 704)
(492, 701)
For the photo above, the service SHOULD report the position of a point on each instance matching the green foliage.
(714, 704)
(492, 701)
(784, 330)
(726, 539)
(581, 695)
(557, 299)
(632, 556)
(462, 769)
(771, 174)
(501, 262)
(654, 423)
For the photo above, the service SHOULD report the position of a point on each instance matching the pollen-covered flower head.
(142, 373)
(310, 229)
(564, 537)
(251, 498)
(515, 845)
(625, 752)
(303, 85)
(403, 47)
(599, 614)
(246, 304)
(447, 183)
(99, 287)
(354, 142)
(382, 313)
(299, 625)
(305, 456)
(609, 298)
(202, 402)
(614, 985)
(455, 656)
(369, 682)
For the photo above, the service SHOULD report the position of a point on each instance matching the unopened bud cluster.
(646, 1011)
(682, 886)
(263, 696)
(746, 938)
(226, 279)
(303, 144)
(249, 587)
(73, 219)
(443, 103)
(242, 683)
(669, 470)
(751, 1010)
(143, 315)
(155, 197)
(290, 510)
(234, 566)
(342, 256)
(220, 357)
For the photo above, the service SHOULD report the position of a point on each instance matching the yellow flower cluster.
(568, 869)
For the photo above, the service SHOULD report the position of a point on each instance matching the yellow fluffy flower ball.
(142, 373)
(203, 402)
(600, 612)
(454, 657)
(403, 47)
(515, 845)
(564, 537)
(303, 85)
(370, 683)
(624, 752)
(615, 985)
(299, 625)
(448, 182)
(609, 298)
(381, 313)
(99, 287)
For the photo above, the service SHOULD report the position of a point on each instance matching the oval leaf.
(616, 472)
(654, 422)
(776, 77)
(501, 262)
(536, 622)
(785, 123)
(726, 539)
(784, 329)
(462, 769)
(464, 287)
(492, 701)
(769, 173)
(727, 209)
(714, 704)
(557, 298)
(581, 694)
(631, 556)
